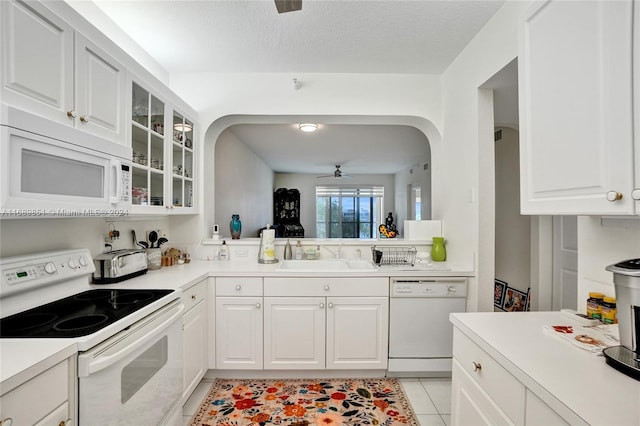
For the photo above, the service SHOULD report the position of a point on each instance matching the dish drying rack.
(394, 255)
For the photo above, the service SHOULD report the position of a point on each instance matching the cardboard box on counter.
(421, 230)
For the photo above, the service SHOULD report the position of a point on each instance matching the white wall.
(468, 147)
(599, 246)
(306, 184)
(449, 109)
(243, 185)
(25, 236)
(512, 230)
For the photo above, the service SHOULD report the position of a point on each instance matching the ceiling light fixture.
(179, 127)
(308, 127)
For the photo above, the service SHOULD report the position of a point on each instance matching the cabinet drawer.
(507, 392)
(240, 286)
(194, 295)
(44, 394)
(470, 404)
(301, 287)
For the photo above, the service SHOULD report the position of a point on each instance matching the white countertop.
(19, 356)
(22, 359)
(557, 371)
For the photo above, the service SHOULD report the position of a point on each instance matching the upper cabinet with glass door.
(163, 156)
(148, 146)
(182, 150)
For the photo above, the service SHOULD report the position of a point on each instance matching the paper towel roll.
(268, 244)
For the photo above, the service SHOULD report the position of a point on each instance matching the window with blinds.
(348, 212)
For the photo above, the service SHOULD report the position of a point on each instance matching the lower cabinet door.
(539, 413)
(294, 333)
(194, 338)
(357, 332)
(470, 405)
(239, 333)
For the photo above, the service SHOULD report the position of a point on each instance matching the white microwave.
(70, 174)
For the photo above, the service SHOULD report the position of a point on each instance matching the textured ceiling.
(359, 149)
(334, 36)
(326, 36)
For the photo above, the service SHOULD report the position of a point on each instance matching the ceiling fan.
(284, 6)
(337, 174)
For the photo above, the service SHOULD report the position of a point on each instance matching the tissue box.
(421, 230)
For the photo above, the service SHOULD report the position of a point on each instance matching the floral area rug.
(305, 402)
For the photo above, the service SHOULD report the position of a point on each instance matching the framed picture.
(515, 300)
(499, 290)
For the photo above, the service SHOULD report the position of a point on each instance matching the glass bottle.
(438, 252)
(235, 226)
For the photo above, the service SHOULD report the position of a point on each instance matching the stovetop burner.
(78, 315)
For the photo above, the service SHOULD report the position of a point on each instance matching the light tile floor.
(430, 399)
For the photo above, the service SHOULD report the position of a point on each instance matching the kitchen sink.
(326, 265)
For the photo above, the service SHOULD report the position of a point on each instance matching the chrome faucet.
(336, 254)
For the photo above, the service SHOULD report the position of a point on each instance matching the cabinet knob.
(614, 196)
(70, 114)
(193, 297)
(635, 194)
(258, 305)
(330, 305)
(326, 288)
(67, 422)
(477, 366)
(238, 287)
(84, 118)
(6, 422)
(322, 306)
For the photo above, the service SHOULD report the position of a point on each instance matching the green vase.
(438, 252)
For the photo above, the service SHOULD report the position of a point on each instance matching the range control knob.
(72, 264)
(50, 268)
(83, 261)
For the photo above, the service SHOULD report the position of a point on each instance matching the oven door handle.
(99, 360)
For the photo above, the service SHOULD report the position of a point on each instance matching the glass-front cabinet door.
(162, 141)
(182, 161)
(147, 143)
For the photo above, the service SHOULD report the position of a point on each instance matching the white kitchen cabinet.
(484, 392)
(470, 405)
(576, 116)
(194, 337)
(55, 72)
(47, 399)
(357, 332)
(294, 333)
(162, 141)
(326, 323)
(238, 325)
(182, 163)
(496, 385)
(539, 413)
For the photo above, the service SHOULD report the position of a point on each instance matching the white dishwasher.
(420, 334)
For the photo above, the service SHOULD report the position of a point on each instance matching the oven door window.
(139, 371)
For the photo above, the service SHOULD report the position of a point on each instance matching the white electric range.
(129, 341)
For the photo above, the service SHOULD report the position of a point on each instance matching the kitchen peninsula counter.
(571, 381)
(186, 275)
(42, 352)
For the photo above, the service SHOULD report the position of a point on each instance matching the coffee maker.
(626, 279)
